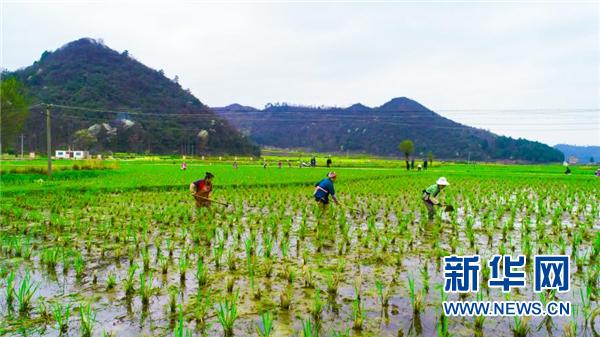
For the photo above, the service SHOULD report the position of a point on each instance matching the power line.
(380, 111)
(461, 127)
(292, 109)
(331, 119)
(71, 107)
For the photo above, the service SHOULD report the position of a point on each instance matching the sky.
(516, 68)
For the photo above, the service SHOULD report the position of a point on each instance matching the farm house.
(68, 154)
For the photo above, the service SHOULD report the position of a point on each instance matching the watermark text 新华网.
(461, 275)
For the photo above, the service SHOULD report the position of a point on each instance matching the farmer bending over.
(430, 194)
(201, 189)
(324, 188)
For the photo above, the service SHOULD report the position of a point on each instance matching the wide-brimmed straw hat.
(442, 181)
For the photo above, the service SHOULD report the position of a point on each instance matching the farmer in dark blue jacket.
(324, 188)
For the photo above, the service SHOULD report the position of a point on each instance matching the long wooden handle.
(207, 199)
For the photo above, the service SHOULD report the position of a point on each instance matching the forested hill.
(584, 154)
(150, 113)
(379, 130)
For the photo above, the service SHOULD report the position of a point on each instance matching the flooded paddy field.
(98, 259)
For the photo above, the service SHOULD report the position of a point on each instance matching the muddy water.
(143, 224)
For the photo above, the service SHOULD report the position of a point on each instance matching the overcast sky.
(524, 70)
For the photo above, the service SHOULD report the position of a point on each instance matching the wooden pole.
(49, 140)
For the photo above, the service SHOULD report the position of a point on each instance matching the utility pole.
(22, 147)
(49, 140)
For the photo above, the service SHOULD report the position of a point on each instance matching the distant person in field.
(598, 173)
(324, 189)
(328, 162)
(279, 164)
(201, 190)
(425, 164)
(289, 163)
(568, 170)
(407, 165)
(313, 162)
(430, 195)
(412, 164)
(419, 167)
(183, 166)
(235, 165)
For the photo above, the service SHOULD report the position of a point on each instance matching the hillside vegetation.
(379, 130)
(147, 111)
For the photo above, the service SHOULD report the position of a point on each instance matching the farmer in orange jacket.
(201, 189)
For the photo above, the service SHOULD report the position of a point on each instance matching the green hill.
(584, 154)
(147, 112)
(379, 130)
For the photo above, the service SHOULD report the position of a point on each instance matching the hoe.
(211, 200)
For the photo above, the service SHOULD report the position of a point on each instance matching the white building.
(68, 154)
(573, 160)
(62, 154)
(81, 154)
